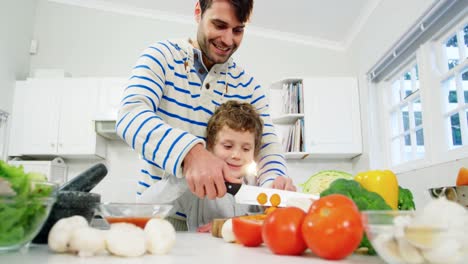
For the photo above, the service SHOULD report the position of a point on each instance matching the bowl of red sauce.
(134, 213)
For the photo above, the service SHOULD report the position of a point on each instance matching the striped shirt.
(166, 107)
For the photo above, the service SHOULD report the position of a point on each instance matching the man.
(175, 88)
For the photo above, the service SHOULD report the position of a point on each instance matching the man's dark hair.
(243, 8)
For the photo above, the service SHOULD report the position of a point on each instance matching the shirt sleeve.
(271, 157)
(139, 124)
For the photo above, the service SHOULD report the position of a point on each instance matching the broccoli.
(405, 199)
(364, 199)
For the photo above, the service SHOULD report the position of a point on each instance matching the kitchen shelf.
(287, 118)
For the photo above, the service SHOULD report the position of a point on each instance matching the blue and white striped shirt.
(166, 107)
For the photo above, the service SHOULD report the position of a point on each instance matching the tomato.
(462, 178)
(281, 231)
(248, 230)
(333, 229)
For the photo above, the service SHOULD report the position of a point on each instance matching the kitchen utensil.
(457, 194)
(247, 194)
(74, 198)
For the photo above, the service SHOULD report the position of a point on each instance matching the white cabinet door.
(78, 107)
(332, 119)
(41, 113)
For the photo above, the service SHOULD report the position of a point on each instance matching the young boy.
(234, 135)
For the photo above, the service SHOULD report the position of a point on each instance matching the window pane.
(405, 117)
(465, 85)
(420, 137)
(407, 84)
(456, 132)
(451, 93)
(416, 77)
(465, 30)
(394, 124)
(451, 50)
(417, 112)
(407, 140)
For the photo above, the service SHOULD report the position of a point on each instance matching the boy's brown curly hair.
(237, 116)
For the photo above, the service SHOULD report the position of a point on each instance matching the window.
(454, 85)
(405, 115)
(424, 102)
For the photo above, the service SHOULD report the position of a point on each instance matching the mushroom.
(60, 233)
(87, 241)
(126, 240)
(226, 231)
(160, 236)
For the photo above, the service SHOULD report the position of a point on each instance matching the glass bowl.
(22, 216)
(135, 213)
(397, 238)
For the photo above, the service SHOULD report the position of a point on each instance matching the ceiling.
(331, 24)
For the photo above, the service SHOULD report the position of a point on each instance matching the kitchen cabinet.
(53, 117)
(109, 96)
(331, 126)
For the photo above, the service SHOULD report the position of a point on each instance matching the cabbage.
(322, 180)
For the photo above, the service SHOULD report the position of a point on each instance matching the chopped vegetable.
(462, 177)
(23, 210)
(405, 199)
(320, 181)
(262, 198)
(275, 200)
(364, 199)
(383, 182)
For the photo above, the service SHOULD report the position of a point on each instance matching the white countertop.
(189, 248)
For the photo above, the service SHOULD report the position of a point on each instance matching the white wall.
(89, 42)
(391, 19)
(16, 26)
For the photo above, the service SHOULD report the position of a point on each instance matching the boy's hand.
(205, 173)
(283, 183)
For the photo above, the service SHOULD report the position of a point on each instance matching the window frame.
(430, 59)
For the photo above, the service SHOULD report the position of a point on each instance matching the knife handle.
(232, 188)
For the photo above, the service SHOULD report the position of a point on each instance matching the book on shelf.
(294, 141)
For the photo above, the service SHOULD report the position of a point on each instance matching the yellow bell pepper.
(384, 183)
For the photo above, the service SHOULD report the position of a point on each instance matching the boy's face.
(219, 33)
(236, 148)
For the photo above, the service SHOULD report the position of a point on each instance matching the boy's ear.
(197, 12)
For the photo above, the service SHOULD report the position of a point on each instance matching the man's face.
(219, 33)
(236, 148)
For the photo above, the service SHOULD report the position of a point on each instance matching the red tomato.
(281, 231)
(247, 230)
(333, 228)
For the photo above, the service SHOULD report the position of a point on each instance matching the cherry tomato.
(281, 231)
(248, 230)
(333, 229)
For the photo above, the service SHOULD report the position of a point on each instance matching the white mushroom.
(87, 241)
(126, 240)
(447, 252)
(160, 236)
(226, 231)
(60, 233)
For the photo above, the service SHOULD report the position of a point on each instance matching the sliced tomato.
(333, 229)
(281, 231)
(248, 230)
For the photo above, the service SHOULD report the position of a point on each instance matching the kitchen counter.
(189, 248)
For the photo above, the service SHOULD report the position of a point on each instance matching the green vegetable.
(21, 214)
(322, 180)
(405, 199)
(364, 199)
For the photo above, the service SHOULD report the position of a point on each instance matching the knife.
(247, 194)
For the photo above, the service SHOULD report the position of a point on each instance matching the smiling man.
(174, 89)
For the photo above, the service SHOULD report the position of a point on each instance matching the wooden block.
(217, 226)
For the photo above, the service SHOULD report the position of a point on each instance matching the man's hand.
(205, 173)
(283, 183)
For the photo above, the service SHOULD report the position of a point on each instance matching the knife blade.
(247, 194)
